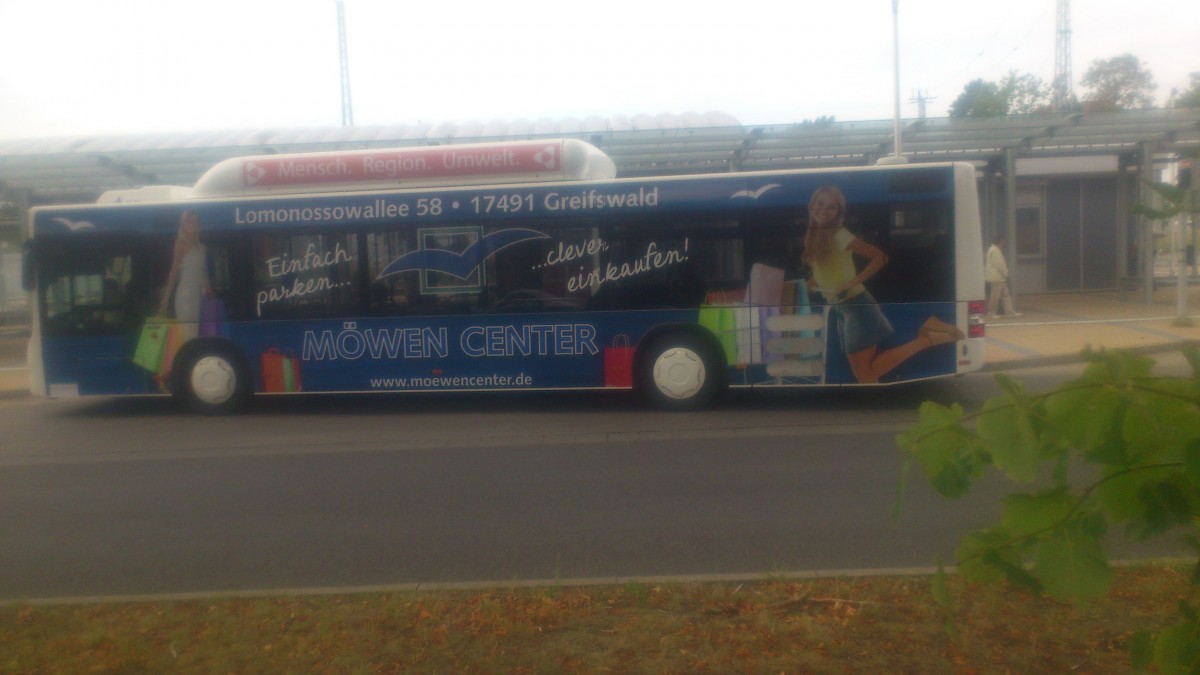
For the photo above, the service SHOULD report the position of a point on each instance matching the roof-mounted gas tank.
(384, 169)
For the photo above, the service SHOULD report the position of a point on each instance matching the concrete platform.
(1057, 327)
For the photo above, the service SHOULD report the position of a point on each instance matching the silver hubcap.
(679, 373)
(213, 380)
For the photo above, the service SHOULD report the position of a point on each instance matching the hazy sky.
(73, 67)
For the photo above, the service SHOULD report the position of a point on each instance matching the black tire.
(213, 381)
(680, 371)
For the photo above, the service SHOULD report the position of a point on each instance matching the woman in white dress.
(188, 278)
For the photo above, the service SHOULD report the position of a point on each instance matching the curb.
(1064, 359)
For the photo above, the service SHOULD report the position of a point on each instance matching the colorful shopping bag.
(717, 314)
(748, 335)
(618, 363)
(730, 296)
(212, 316)
(280, 372)
(769, 337)
(719, 320)
(803, 307)
(271, 363)
(293, 370)
(766, 285)
(171, 348)
(780, 340)
(151, 342)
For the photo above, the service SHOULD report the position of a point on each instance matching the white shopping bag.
(748, 321)
(766, 285)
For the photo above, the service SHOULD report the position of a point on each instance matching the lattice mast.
(347, 107)
(1063, 93)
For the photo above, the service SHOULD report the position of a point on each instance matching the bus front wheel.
(680, 373)
(214, 382)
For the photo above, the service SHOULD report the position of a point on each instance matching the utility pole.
(897, 157)
(1063, 93)
(347, 108)
(921, 99)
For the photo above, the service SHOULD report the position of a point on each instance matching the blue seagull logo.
(460, 265)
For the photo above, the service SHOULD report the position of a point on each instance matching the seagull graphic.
(75, 225)
(756, 193)
(460, 265)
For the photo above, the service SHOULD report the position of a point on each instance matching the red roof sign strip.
(402, 164)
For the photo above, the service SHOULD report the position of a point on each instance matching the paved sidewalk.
(14, 378)
(1052, 328)
(1056, 327)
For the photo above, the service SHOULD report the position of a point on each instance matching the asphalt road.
(133, 497)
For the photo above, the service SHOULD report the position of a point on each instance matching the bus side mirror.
(27, 265)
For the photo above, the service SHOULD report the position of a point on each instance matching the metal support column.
(1010, 218)
(987, 192)
(1145, 227)
(1122, 216)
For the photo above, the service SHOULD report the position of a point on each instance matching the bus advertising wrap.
(776, 279)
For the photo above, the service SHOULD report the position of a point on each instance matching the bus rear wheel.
(680, 372)
(214, 383)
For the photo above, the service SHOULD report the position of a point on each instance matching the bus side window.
(306, 275)
(230, 275)
(87, 291)
(395, 293)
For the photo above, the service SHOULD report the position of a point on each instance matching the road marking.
(459, 442)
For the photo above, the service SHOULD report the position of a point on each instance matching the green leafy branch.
(1175, 200)
(1116, 446)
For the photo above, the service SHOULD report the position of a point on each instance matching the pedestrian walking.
(996, 275)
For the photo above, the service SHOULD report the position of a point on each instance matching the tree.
(1025, 93)
(1119, 83)
(1189, 98)
(822, 122)
(980, 99)
(1117, 446)
(1012, 95)
(1174, 200)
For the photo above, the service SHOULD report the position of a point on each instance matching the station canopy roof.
(78, 169)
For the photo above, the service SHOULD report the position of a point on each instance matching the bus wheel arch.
(680, 368)
(212, 376)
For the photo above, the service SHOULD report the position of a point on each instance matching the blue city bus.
(503, 267)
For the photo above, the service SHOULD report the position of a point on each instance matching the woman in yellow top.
(829, 250)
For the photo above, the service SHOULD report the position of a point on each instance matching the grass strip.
(864, 624)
